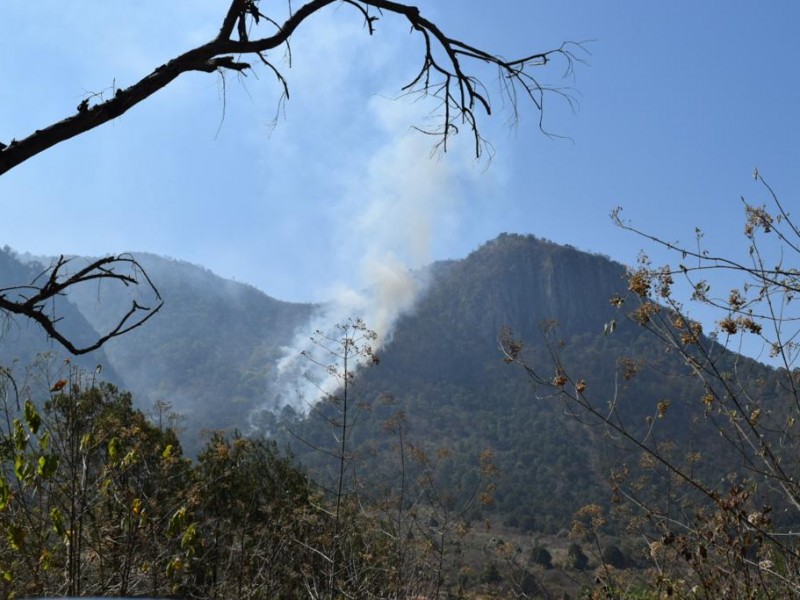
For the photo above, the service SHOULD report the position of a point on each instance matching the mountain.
(208, 352)
(211, 354)
(445, 374)
(444, 371)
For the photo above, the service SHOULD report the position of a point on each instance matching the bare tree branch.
(33, 300)
(459, 92)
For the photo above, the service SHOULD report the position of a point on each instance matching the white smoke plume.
(396, 206)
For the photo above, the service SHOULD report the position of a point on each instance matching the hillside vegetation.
(443, 437)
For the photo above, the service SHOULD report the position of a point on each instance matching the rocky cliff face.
(513, 282)
(521, 281)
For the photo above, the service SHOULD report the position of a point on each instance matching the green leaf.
(58, 521)
(45, 559)
(5, 493)
(176, 521)
(113, 449)
(48, 463)
(19, 436)
(16, 536)
(188, 538)
(131, 458)
(173, 566)
(21, 468)
(32, 417)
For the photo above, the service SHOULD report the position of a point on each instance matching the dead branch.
(35, 299)
(245, 31)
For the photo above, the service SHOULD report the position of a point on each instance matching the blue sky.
(678, 103)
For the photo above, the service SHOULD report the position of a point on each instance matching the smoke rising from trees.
(397, 205)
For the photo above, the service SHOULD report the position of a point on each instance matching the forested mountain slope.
(208, 352)
(211, 354)
(445, 374)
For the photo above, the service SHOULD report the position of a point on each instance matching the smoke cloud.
(395, 207)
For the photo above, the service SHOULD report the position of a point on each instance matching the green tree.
(89, 483)
(253, 522)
